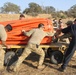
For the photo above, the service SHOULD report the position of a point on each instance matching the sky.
(57, 4)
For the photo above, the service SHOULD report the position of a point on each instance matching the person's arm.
(3, 40)
(51, 33)
(28, 33)
(4, 44)
(66, 30)
(58, 32)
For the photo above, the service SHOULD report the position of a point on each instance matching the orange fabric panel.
(15, 36)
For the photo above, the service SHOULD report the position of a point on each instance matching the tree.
(72, 11)
(49, 9)
(10, 8)
(33, 8)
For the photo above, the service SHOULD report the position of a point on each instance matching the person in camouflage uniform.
(3, 37)
(33, 45)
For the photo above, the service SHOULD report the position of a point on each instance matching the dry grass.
(8, 17)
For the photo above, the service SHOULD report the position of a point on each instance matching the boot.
(41, 67)
(11, 69)
(61, 69)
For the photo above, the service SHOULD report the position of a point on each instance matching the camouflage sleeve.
(50, 33)
(3, 37)
(29, 33)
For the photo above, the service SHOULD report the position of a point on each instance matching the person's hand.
(23, 31)
(8, 46)
(58, 31)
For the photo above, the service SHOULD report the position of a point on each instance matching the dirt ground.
(28, 67)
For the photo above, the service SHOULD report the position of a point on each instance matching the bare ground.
(28, 67)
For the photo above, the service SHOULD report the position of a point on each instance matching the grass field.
(7, 17)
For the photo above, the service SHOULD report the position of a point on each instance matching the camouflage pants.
(2, 53)
(28, 49)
